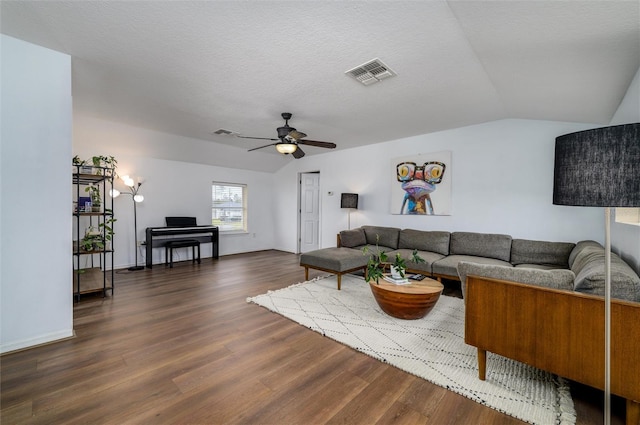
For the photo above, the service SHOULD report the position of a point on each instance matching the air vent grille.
(371, 72)
(223, 132)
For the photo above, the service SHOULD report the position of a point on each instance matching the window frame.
(215, 219)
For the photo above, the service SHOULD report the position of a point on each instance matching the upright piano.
(180, 228)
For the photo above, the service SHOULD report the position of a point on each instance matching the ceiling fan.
(289, 139)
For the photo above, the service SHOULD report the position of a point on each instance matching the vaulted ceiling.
(192, 67)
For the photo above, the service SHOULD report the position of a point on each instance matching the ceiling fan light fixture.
(286, 148)
(288, 140)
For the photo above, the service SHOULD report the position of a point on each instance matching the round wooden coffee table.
(412, 301)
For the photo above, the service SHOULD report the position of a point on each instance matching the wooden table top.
(425, 286)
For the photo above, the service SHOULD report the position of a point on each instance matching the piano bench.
(181, 243)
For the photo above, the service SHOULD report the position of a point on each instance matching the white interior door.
(309, 212)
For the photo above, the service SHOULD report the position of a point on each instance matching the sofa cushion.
(433, 241)
(541, 266)
(525, 251)
(448, 266)
(383, 236)
(353, 238)
(557, 279)
(588, 267)
(481, 245)
(428, 257)
(334, 259)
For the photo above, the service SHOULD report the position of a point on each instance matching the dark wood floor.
(182, 345)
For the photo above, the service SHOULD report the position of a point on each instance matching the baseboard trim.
(39, 341)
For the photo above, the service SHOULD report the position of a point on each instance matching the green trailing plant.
(379, 261)
(77, 161)
(101, 161)
(107, 227)
(96, 197)
(92, 240)
(95, 239)
(400, 263)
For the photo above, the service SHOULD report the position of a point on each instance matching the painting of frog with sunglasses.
(418, 183)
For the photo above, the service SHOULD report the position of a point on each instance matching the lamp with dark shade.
(600, 168)
(349, 200)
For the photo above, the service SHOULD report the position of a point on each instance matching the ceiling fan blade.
(317, 143)
(298, 153)
(258, 138)
(265, 146)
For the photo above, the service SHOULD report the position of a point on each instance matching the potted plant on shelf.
(102, 162)
(96, 196)
(92, 240)
(96, 165)
(80, 166)
(97, 239)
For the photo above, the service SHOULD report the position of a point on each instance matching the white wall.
(502, 183)
(171, 188)
(35, 206)
(625, 237)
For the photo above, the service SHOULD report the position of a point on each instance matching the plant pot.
(397, 272)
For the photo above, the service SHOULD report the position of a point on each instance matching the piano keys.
(158, 236)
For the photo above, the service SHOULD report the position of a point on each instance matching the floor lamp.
(349, 200)
(600, 168)
(128, 181)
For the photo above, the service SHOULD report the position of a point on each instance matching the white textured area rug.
(432, 348)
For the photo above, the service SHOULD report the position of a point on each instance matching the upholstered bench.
(333, 260)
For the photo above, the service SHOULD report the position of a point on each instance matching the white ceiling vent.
(371, 72)
(223, 132)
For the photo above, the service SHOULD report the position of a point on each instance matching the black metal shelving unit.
(99, 276)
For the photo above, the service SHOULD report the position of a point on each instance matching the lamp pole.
(135, 198)
(134, 194)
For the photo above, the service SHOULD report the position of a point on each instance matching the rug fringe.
(568, 415)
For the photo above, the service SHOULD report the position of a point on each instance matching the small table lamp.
(349, 200)
(600, 168)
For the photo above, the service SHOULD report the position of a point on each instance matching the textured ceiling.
(192, 67)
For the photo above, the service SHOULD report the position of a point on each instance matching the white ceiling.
(192, 67)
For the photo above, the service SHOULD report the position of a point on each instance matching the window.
(628, 216)
(229, 207)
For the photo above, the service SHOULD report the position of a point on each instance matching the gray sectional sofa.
(452, 255)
